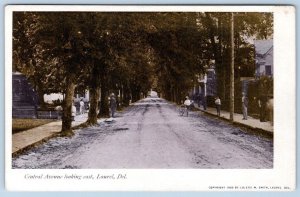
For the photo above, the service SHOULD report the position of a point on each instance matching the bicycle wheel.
(181, 111)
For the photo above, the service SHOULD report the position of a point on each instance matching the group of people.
(264, 105)
(81, 109)
(244, 106)
(187, 104)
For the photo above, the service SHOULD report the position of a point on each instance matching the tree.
(179, 53)
(55, 38)
(31, 59)
(112, 50)
(216, 34)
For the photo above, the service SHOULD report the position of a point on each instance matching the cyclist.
(187, 104)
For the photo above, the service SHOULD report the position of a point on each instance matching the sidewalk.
(28, 138)
(251, 123)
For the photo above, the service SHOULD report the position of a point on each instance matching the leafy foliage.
(131, 53)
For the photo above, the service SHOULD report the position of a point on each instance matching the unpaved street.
(151, 134)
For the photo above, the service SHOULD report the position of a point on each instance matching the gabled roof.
(262, 46)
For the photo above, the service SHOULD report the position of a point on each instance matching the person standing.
(59, 110)
(113, 105)
(245, 106)
(270, 108)
(187, 104)
(262, 108)
(81, 104)
(218, 105)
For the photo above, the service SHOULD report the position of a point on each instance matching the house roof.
(262, 46)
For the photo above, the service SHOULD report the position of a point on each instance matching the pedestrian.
(187, 104)
(218, 105)
(59, 110)
(81, 104)
(199, 100)
(270, 108)
(262, 108)
(73, 111)
(245, 106)
(113, 104)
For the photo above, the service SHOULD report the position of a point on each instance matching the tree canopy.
(130, 52)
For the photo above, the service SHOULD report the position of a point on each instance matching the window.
(268, 70)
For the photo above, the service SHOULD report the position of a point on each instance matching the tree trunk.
(133, 94)
(41, 101)
(67, 108)
(126, 96)
(94, 101)
(177, 96)
(138, 93)
(121, 96)
(104, 110)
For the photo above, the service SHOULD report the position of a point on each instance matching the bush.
(57, 102)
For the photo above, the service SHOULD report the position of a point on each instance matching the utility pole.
(232, 69)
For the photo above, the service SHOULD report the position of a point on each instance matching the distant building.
(211, 84)
(263, 57)
(208, 82)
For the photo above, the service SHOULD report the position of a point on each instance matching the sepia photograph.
(114, 89)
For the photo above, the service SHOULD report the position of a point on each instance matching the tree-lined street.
(119, 59)
(151, 134)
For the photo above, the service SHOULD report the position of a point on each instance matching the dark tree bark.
(126, 97)
(104, 109)
(67, 107)
(136, 93)
(94, 103)
(41, 101)
(121, 96)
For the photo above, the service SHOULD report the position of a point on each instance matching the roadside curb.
(28, 147)
(254, 129)
(38, 142)
(47, 138)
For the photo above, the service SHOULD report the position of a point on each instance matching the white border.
(282, 175)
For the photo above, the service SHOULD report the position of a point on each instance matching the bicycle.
(182, 109)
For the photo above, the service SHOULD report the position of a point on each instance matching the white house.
(263, 57)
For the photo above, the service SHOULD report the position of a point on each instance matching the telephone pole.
(232, 69)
